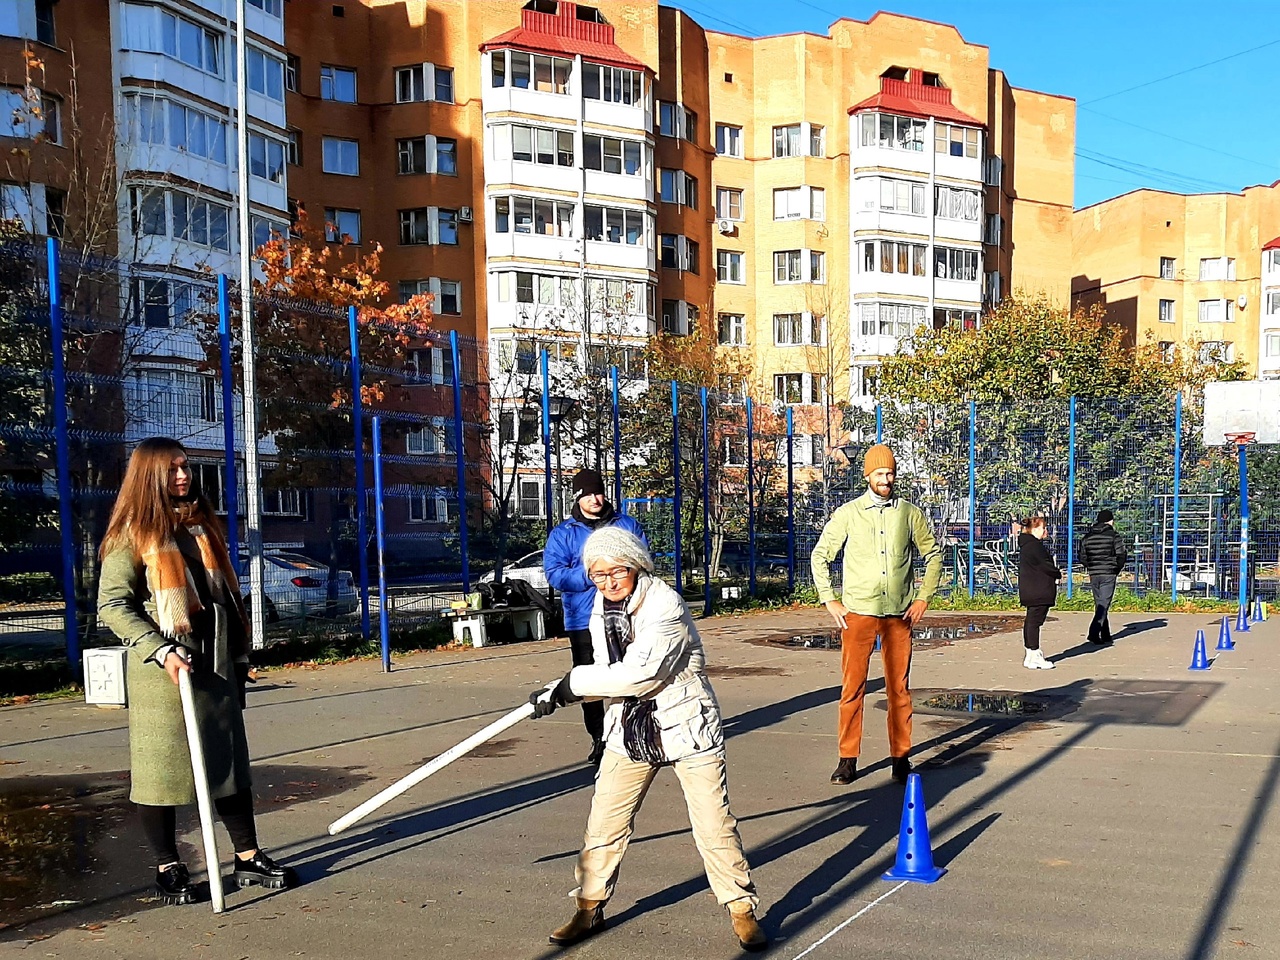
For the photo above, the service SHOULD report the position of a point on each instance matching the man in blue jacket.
(562, 561)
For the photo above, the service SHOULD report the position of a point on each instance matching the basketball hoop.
(1238, 439)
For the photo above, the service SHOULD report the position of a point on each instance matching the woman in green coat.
(168, 590)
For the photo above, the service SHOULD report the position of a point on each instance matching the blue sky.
(1210, 129)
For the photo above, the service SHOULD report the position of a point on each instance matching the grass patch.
(1126, 601)
(323, 645)
(28, 588)
(22, 681)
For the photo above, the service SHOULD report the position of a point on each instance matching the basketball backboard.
(1240, 407)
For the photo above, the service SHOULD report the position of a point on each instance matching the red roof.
(1272, 244)
(563, 34)
(910, 99)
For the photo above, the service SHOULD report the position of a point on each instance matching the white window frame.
(890, 131)
(683, 188)
(1167, 311)
(677, 121)
(1168, 268)
(725, 197)
(729, 267)
(728, 140)
(1217, 268)
(420, 83)
(1217, 310)
(329, 78)
(339, 150)
(336, 220)
(731, 329)
(957, 203)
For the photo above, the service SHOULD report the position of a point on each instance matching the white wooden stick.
(212, 864)
(521, 712)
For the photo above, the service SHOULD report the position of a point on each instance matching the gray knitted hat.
(614, 543)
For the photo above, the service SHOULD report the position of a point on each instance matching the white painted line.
(883, 896)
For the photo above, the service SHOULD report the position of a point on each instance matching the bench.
(469, 623)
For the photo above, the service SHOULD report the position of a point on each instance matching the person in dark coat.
(1038, 578)
(168, 590)
(1104, 555)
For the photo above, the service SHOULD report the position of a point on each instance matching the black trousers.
(592, 710)
(1104, 591)
(236, 812)
(1032, 624)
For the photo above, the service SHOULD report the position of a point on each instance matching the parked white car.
(527, 568)
(297, 586)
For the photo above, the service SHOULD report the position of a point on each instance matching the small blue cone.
(1257, 610)
(1199, 659)
(1242, 619)
(1224, 636)
(915, 856)
(877, 646)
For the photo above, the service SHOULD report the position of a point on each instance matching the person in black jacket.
(1104, 557)
(1038, 578)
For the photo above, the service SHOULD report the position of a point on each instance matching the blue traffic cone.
(876, 648)
(1242, 619)
(1199, 659)
(1258, 615)
(915, 856)
(1224, 635)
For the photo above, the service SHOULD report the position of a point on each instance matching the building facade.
(1201, 270)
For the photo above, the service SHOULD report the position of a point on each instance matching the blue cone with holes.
(1242, 619)
(1224, 636)
(915, 855)
(1199, 656)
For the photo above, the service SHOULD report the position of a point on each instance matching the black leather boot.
(846, 771)
(173, 884)
(596, 754)
(901, 769)
(261, 870)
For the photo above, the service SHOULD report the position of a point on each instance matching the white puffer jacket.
(665, 662)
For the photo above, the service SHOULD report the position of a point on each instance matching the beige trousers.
(621, 786)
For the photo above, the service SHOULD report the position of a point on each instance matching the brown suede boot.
(587, 921)
(746, 927)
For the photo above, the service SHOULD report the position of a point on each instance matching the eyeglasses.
(617, 575)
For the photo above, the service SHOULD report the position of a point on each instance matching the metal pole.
(751, 498)
(460, 455)
(617, 441)
(973, 485)
(546, 435)
(1177, 490)
(379, 525)
(362, 496)
(1071, 496)
(675, 456)
(62, 454)
(231, 491)
(253, 492)
(791, 504)
(879, 424)
(1244, 533)
(706, 510)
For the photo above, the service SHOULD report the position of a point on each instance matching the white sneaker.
(1034, 660)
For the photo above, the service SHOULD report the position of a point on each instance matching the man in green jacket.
(879, 533)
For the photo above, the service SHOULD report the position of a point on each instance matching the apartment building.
(1175, 269)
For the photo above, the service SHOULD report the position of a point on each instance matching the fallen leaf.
(1055, 862)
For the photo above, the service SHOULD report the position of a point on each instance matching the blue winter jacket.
(562, 561)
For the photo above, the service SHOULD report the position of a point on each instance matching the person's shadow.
(1128, 630)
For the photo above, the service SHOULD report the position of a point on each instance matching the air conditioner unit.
(724, 226)
(464, 215)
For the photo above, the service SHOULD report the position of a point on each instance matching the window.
(292, 65)
(611, 155)
(862, 380)
(949, 318)
(902, 196)
(1166, 311)
(415, 226)
(428, 506)
(266, 158)
(446, 295)
(165, 396)
(798, 329)
(549, 218)
(888, 132)
(729, 266)
(728, 203)
(1271, 299)
(1217, 268)
(424, 81)
(786, 141)
(953, 264)
(678, 121)
(954, 203)
(678, 187)
(679, 253)
(543, 145)
(800, 203)
(199, 221)
(341, 225)
(992, 285)
(1168, 351)
(272, 8)
(50, 120)
(895, 256)
(45, 32)
(955, 141)
(890, 319)
(444, 85)
(266, 75)
(1217, 311)
(55, 205)
(791, 388)
(282, 502)
(1271, 343)
(993, 230)
(264, 231)
(993, 172)
(614, 225)
(197, 133)
(1167, 267)
(293, 149)
(530, 498)
(728, 140)
(612, 84)
(163, 303)
(149, 29)
(1271, 260)
(411, 155)
(735, 450)
(150, 211)
(341, 157)
(732, 329)
(536, 72)
(799, 266)
(447, 221)
(430, 438)
(1217, 351)
(338, 83)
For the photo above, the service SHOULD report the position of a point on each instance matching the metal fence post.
(675, 457)
(362, 507)
(617, 440)
(460, 456)
(751, 498)
(973, 486)
(62, 453)
(546, 436)
(1071, 496)
(230, 483)
(791, 503)
(1177, 491)
(1244, 536)
(879, 423)
(379, 524)
(706, 509)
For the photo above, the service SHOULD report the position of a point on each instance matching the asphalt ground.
(1122, 809)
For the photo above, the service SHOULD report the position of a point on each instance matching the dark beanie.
(586, 483)
(1105, 516)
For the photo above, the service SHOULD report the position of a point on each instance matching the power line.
(1180, 73)
(735, 25)
(1191, 143)
(1168, 177)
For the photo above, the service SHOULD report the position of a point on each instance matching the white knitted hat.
(614, 543)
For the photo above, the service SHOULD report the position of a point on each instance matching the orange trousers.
(857, 642)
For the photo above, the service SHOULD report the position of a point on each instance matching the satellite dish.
(1242, 301)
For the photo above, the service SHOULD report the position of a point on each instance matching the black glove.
(545, 702)
(242, 678)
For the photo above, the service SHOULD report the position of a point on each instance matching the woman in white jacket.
(660, 711)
